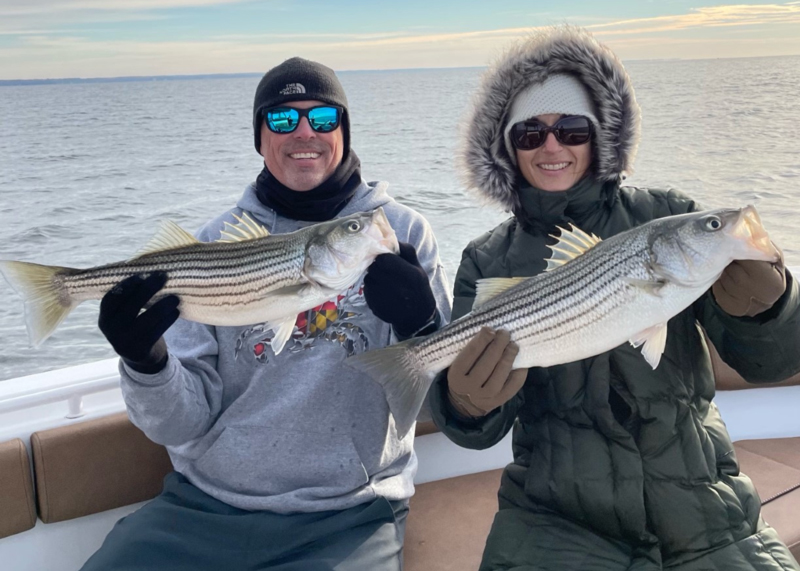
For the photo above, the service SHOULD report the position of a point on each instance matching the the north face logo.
(293, 89)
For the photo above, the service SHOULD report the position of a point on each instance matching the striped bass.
(248, 276)
(593, 296)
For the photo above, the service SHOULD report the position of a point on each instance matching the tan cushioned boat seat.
(17, 508)
(447, 533)
(424, 428)
(94, 466)
(449, 521)
(774, 467)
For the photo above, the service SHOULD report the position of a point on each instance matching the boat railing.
(62, 396)
(71, 392)
(82, 392)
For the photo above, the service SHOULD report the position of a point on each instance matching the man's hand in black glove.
(136, 338)
(397, 291)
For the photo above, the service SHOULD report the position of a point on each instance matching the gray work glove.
(480, 378)
(750, 287)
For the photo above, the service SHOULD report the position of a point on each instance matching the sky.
(41, 39)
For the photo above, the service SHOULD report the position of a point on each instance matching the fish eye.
(354, 226)
(713, 223)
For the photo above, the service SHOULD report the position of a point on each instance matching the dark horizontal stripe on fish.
(215, 278)
(547, 295)
(114, 276)
(530, 328)
(192, 283)
(565, 282)
(597, 273)
(169, 265)
(134, 268)
(575, 321)
(200, 253)
(561, 307)
(207, 261)
(531, 298)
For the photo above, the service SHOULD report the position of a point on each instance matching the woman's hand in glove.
(480, 378)
(750, 287)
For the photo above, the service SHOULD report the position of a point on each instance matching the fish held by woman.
(594, 296)
(248, 276)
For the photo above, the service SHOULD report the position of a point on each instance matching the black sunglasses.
(322, 118)
(571, 130)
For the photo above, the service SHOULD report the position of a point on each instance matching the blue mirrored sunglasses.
(322, 119)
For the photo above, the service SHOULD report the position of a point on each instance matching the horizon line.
(172, 77)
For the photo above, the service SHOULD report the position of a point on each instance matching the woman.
(616, 466)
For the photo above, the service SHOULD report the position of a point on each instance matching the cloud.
(722, 30)
(707, 17)
(18, 17)
(26, 7)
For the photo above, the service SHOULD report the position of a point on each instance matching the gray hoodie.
(296, 432)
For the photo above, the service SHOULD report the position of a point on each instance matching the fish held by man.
(248, 276)
(594, 296)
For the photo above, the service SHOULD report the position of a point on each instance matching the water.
(88, 170)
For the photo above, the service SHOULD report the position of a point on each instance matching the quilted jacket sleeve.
(488, 430)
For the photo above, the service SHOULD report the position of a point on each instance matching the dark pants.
(523, 540)
(185, 529)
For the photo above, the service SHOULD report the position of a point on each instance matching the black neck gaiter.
(318, 204)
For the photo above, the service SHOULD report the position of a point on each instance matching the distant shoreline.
(131, 78)
(11, 82)
(135, 78)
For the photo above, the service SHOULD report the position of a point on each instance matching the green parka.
(616, 465)
(610, 446)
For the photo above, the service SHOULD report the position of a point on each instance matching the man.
(282, 461)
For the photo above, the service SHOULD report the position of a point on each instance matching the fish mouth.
(383, 233)
(750, 229)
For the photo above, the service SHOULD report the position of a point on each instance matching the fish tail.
(405, 382)
(47, 301)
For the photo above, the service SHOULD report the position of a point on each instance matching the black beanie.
(299, 79)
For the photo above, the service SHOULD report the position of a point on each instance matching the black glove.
(397, 291)
(137, 339)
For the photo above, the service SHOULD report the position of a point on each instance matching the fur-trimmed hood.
(486, 164)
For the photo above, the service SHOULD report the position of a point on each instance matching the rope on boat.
(781, 494)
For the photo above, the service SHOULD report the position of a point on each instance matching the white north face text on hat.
(560, 93)
(293, 89)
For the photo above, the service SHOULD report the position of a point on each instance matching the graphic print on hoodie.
(331, 322)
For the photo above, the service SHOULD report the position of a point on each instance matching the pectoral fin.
(283, 331)
(653, 340)
(650, 286)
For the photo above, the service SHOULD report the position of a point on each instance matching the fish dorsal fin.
(168, 237)
(487, 288)
(246, 229)
(572, 243)
(653, 339)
